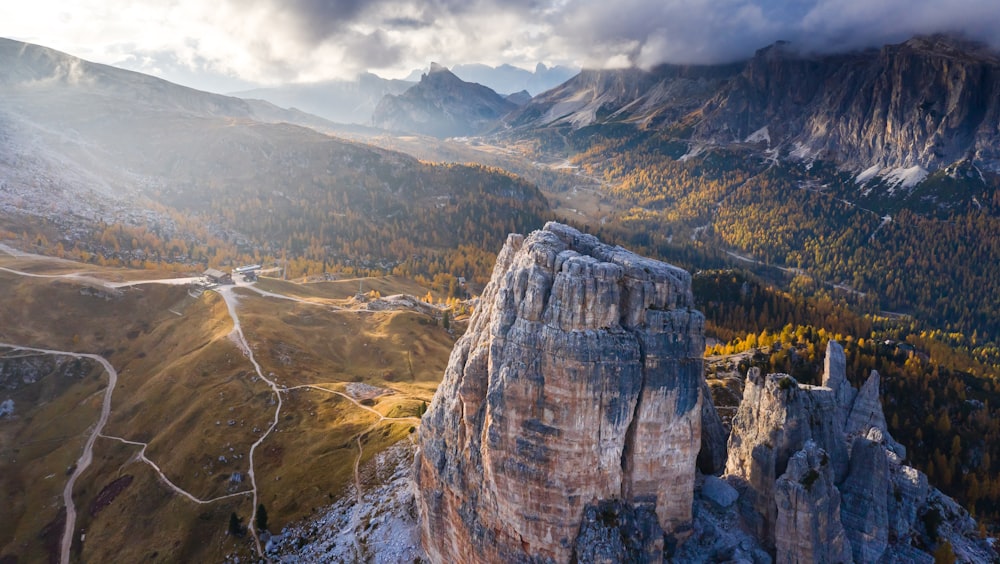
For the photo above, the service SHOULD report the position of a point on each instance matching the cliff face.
(927, 103)
(823, 481)
(898, 112)
(573, 399)
(660, 95)
(573, 414)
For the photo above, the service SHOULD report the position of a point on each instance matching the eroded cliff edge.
(572, 396)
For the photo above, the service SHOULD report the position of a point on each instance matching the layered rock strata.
(571, 410)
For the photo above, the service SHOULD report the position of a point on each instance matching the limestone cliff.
(810, 498)
(569, 419)
(572, 422)
(809, 511)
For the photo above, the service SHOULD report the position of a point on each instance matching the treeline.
(941, 402)
(941, 267)
(431, 222)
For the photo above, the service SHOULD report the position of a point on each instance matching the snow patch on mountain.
(762, 135)
(906, 177)
(867, 174)
(801, 152)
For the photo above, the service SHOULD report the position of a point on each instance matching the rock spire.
(569, 420)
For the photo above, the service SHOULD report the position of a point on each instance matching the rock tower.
(569, 420)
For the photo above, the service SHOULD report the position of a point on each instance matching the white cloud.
(269, 41)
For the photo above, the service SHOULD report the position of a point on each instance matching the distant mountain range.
(442, 105)
(898, 113)
(354, 101)
(903, 110)
(84, 144)
(507, 79)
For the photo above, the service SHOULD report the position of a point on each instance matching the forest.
(940, 400)
(433, 223)
(932, 252)
(786, 256)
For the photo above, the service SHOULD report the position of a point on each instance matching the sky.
(229, 45)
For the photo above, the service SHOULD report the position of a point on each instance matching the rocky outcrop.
(835, 378)
(570, 412)
(614, 531)
(775, 420)
(866, 414)
(865, 511)
(789, 454)
(809, 511)
(573, 413)
(712, 456)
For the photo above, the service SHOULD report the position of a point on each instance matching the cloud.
(270, 41)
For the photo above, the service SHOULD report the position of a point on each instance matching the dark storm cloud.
(372, 50)
(705, 31)
(320, 19)
(651, 31)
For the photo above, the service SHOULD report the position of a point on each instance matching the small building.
(218, 276)
(246, 269)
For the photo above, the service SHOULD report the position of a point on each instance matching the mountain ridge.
(909, 108)
(441, 105)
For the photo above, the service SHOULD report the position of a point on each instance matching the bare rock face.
(809, 511)
(788, 455)
(866, 492)
(866, 414)
(441, 105)
(835, 378)
(927, 102)
(577, 383)
(775, 420)
(712, 456)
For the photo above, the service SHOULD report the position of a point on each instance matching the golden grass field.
(188, 392)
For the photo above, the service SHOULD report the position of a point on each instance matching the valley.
(146, 414)
(339, 414)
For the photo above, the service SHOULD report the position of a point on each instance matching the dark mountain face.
(83, 143)
(442, 105)
(904, 109)
(925, 103)
(658, 96)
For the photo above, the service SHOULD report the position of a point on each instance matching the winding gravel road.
(237, 336)
(87, 456)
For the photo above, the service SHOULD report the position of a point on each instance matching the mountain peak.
(442, 105)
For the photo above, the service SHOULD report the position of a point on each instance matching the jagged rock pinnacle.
(575, 390)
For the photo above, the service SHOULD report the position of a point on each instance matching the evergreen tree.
(261, 518)
(235, 526)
